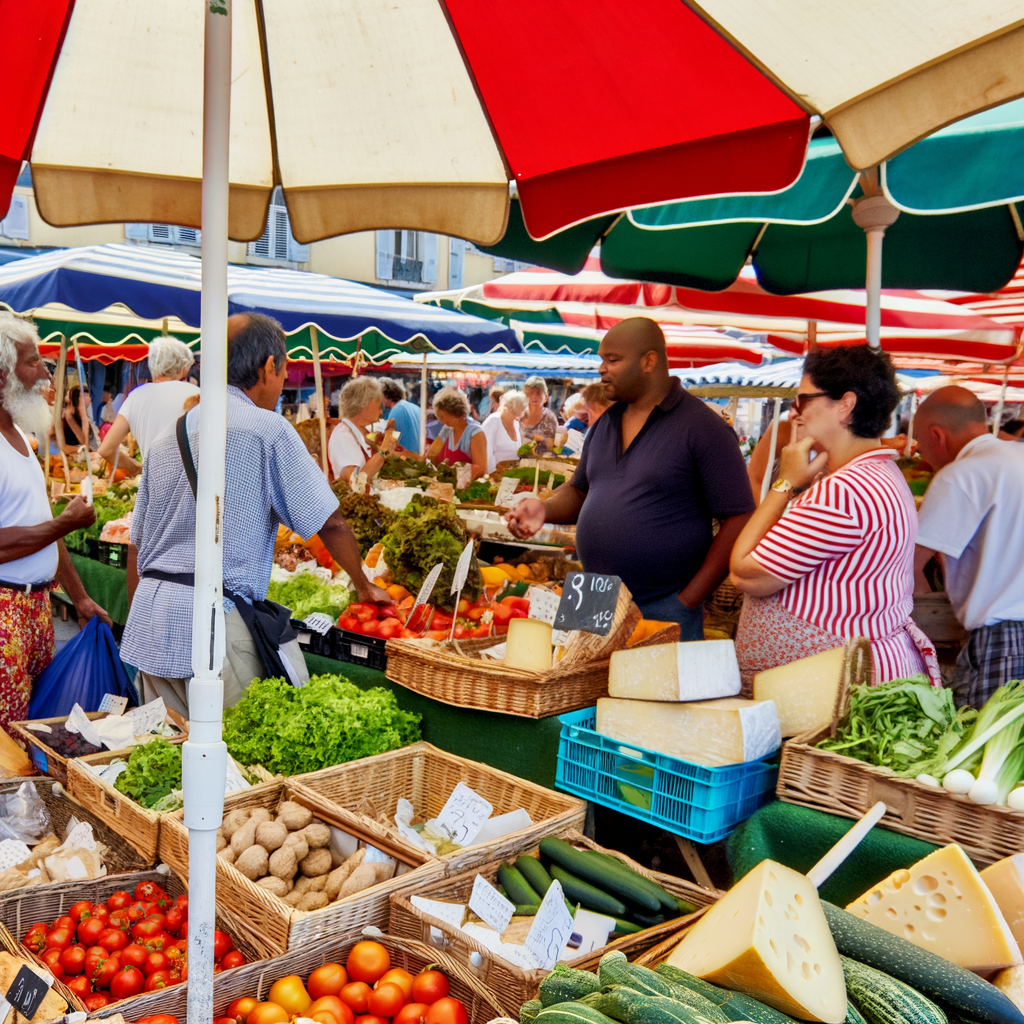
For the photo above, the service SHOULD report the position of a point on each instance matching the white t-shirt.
(23, 503)
(346, 447)
(152, 410)
(972, 513)
(500, 447)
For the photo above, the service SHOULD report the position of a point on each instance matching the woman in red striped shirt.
(829, 553)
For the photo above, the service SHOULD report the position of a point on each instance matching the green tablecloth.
(105, 584)
(799, 837)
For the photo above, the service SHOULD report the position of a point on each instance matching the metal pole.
(423, 406)
(321, 411)
(874, 213)
(773, 438)
(910, 425)
(204, 755)
(997, 416)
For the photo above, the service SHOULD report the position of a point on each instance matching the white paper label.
(462, 567)
(428, 584)
(113, 704)
(148, 717)
(80, 837)
(320, 622)
(108, 772)
(463, 475)
(234, 780)
(38, 727)
(453, 913)
(506, 489)
(462, 815)
(78, 722)
(489, 905)
(551, 928)
(593, 929)
(543, 604)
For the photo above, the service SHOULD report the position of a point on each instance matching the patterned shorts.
(991, 656)
(26, 648)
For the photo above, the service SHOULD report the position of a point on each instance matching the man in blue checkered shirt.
(270, 478)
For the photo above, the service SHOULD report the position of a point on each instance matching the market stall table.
(105, 584)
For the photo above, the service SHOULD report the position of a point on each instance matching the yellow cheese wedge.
(1005, 880)
(768, 937)
(529, 645)
(804, 691)
(941, 904)
(1011, 983)
(699, 670)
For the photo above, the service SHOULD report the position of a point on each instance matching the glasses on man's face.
(807, 396)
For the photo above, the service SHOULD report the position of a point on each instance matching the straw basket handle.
(857, 668)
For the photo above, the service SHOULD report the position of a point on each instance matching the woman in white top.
(502, 430)
(359, 403)
(151, 410)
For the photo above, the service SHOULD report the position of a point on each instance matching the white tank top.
(23, 502)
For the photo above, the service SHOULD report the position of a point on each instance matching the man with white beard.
(31, 550)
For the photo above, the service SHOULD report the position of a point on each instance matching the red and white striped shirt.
(847, 547)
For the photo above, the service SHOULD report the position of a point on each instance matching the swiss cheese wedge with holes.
(941, 904)
(768, 937)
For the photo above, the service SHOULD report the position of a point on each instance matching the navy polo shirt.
(647, 512)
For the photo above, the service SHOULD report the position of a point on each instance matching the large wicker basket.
(513, 985)
(277, 925)
(425, 776)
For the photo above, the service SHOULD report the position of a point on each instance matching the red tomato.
(233, 959)
(183, 931)
(60, 938)
(120, 900)
(447, 1011)
(128, 981)
(64, 922)
(72, 959)
(386, 1000)
(242, 1007)
(35, 937)
(369, 627)
(148, 927)
(396, 976)
(181, 902)
(95, 958)
(52, 960)
(136, 911)
(174, 919)
(389, 628)
(367, 961)
(95, 1001)
(369, 1018)
(463, 633)
(120, 919)
(328, 980)
(100, 910)
(356, 996)
(481, 631)
(159, 942)
(106, 973)
(154, 962)
(363, 611)
(90, 929)
(80, 986)
(429, 986)
(267, 1013)
(158, 980)
(224, 1020)
(135, 956)
(112, 939)
(412, 1013)
(502, 613)
(222, 944)
(79, 910)
(349, 622)
(158, 1018)
(150, 890)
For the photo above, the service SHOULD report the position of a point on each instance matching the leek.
(1004, 708)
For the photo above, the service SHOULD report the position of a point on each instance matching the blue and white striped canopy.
(154, 282)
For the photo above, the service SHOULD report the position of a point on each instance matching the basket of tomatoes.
(116, 937)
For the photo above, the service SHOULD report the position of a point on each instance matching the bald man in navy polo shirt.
(656, 469)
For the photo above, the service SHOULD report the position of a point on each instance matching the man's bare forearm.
(715, 566)
(564, 505)
(340, 541)
(67, 576)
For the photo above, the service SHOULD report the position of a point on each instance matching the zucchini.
(624, 927)
(516, 887)
(571, 1013)
(680, 977)
(529, 1010)
(666, 899)
(598, 871)
(631, 1007)
(615, 969)
(533, 871)
(566, 984)
(939, 979)
(646, 920)
(527, 909)
(853, 1015)
(686, 907)
(589, 895)
(884, 1000)
(734, 1005)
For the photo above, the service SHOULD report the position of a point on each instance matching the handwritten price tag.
(320, 622)
(428, 585)
(113, 704)
(551, 928)
(27, 991)
(463, 814)
(506, 489)
(489, 905)
(543, 604)
(588, 602)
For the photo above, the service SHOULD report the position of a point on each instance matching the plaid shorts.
(991, 656)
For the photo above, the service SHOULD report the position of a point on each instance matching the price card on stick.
(459, 580)
(543, 604)
(506, 489)
(28, 991)
(463, 815)
(489, 905)
(588, 602)
(551, 928)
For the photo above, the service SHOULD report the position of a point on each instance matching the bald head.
(947, 420)
(634, 360)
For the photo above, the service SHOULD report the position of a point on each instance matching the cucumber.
(533, 871)
(565, 984)
(599, 871)
(516, 887)
(589, 895)
(735, 1005)
(884, 1000)
(631, 1007)
(939, 979)
(666, 899)
(571, 1013)
(526, 909)
(529, 1010)
(624, 927)
(686, 907)
(646, 920)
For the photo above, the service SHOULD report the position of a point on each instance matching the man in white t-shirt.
(31, 550)
(151, 410)
(971, 517)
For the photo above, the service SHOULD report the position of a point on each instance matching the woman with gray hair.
(502, 430)
(538, 423)
(359, 404)
(151, 410)
(461, 439)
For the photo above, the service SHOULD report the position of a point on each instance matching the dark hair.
(868, 374)
(1013, 426)
(258, 338)
(392, 390)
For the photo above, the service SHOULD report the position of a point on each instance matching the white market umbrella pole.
(773, 438)
(204, 755)
(910, 425)
(423, 406)
(997, 416)
(874, 213)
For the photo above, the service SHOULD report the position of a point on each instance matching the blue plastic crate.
(690, 800)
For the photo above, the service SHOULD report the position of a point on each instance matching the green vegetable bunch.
(306, 593)
(478, 490)
(328, 721)
(410, 470)
(368, 519)
(528, 474)
(427, 532)
(154, 770)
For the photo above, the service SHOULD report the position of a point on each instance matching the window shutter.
(137, 232)
(296, 253)
(261, 247)
(187, 236)
(161, 233)
(15, 224)
(430, 258)
(385, 257)
(456, 260)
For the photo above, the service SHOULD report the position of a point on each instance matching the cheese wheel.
(804, 691)
(528, 645)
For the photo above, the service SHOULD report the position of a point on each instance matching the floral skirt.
(26, 648)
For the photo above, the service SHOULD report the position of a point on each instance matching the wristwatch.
(782, 485)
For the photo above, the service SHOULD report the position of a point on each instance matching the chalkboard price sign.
(27, 992)
(588, 602)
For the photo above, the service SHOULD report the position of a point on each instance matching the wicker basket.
(426, 776)
(512, 985)
(9, 944)
(277, 925)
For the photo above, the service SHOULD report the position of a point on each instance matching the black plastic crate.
(361, 650)
(324, 644)
(111, 553)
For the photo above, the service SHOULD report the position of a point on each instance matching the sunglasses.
(808, 396)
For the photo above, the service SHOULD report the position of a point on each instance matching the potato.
(294, 815)
(317, 836)
(296, 844)
(227, 854)
(362, 878)
(302, 884)
(292, 899)
(271, 835)
(275, 885)
(260, 815)
(313, 901)
(221, 841)
(244, 837)
(383, 869)
(317, 884)
(253, 862)
(316, 862)
(283, 863)
(335, 880)
(234, 820)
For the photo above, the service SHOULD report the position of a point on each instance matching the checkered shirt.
(270, 479)
(991, 655)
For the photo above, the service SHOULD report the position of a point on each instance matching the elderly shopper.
(538, 423)
(829, 554)
(32, 553)
(402, 412)
(270, 479)
(596, 401)
(151, 410)
(502, 430)
(972, 520)
(359, 404)
(461, 439)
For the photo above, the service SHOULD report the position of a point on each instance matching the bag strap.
(185, 448)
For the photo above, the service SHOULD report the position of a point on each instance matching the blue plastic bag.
(85, 669)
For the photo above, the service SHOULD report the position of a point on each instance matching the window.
(165, 234)
(276, 242)
(407, 257)
(15, 224)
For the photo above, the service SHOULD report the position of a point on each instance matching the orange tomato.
(367, 962)
(242, 1007)
(412, 1013)
(329, 1004)
(328, 980)
(356, 996)
(322, 1017)
(369, 1018)
(290, 993)
(447, 1011)
(429, 986)
(268, 1013)
(396, 976)
(386, 1000)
